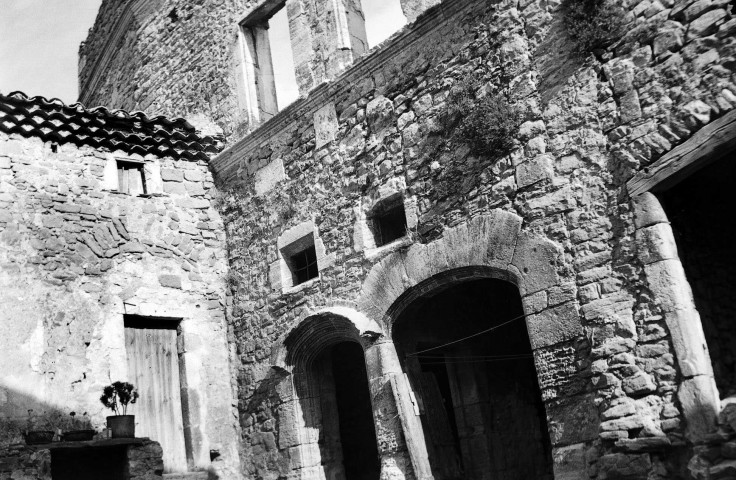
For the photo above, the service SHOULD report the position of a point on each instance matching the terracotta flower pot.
(122, 426)
(38, 437)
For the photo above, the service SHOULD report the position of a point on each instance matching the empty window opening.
(388, 221)
(383, 18)
(284, 73)
(131, 178)
(481, 406)
(301, 258)
(270, 77)
(153, 367)
(702, 212)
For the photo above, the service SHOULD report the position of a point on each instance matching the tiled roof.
(53, 121)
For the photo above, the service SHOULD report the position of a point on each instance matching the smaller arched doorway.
(330, 381)
(466, 351)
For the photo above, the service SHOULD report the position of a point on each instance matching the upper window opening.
(131, 178)
(389, 221)
(301, 258)
(383, 18)
(269, 73)
(284, 72)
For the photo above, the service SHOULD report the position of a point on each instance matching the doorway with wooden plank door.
(153, 367)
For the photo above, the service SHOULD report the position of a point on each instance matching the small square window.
(131, 178)
(389, 222)
(301, 258)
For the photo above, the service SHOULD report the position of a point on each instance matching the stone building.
(399, 304)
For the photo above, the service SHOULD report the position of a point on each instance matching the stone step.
(186, 476)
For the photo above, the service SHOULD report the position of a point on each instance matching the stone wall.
(554, 217)
(141, 459)
(76, 256)
(168, 57)
(183, 58)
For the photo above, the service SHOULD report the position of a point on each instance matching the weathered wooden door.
(153, 367)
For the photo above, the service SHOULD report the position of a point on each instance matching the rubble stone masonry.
(621, 359)
(76, 255)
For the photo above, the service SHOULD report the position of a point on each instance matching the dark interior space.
(110, 463)
(480, 402)
(357, 430)
(702, 212)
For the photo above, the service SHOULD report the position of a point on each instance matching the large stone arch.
(489, 246)
(312, 333)
(486, 246)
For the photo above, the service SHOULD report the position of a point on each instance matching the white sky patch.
(39, 41)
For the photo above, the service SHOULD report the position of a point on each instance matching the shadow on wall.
(260, 420)
(20, 412)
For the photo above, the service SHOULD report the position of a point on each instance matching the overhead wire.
(488, 330)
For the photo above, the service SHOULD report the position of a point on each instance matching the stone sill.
(301, 286)
(110, 442)
(374, 254)
(226, 166)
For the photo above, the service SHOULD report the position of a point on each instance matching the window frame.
(125, 165)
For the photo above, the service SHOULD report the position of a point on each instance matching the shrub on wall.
(593, 24)
(487, 122)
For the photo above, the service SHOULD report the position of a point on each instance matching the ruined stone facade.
(539, 313)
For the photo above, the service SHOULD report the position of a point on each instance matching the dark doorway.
(702, 212)
(479, 398)
(357, 431)
(338, 382)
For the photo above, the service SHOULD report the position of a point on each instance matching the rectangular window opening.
(383, 18)
(270, 76)
(131, 178)
(389, 222)
(301, 258)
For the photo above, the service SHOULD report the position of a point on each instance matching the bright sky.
(39, 42)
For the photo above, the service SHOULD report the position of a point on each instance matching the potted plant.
(78, 429)
(35, 436)
(116, 397)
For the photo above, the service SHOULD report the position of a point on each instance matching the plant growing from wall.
(487, 122)
(593, 24)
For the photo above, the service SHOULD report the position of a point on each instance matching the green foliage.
(117, 396)
(593, 24)
(486, 122)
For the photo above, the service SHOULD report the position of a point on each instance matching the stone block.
(572, 419)
(698, 397)
(688, 341)
(171, 281)
(647, 210)
(171, 175)
(554, 325)
(325, 125)
(621, 466)
(536, 259)
(706, 24)
(536, 170)
(667, 282)
(569, 462)
(656, 243)
(267, 177)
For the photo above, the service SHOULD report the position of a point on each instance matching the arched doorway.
(332, 392)
(477, 393)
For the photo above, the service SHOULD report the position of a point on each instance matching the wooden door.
(153, 367)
